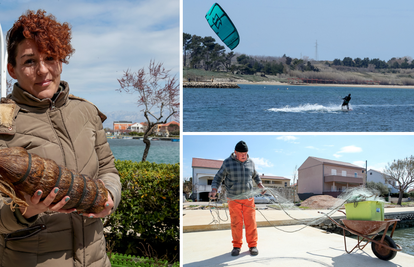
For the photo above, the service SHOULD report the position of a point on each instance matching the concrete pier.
(206, 243)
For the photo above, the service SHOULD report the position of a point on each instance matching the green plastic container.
(365, 211)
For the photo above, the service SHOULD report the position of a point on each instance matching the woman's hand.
(108, 208)
(36, 206)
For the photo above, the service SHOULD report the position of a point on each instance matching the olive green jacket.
(69, 131)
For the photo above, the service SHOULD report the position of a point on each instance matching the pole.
(3, 59)
(366, 173)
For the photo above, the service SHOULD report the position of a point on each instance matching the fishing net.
(278, 200)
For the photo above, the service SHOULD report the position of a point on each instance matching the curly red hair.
(50, 36)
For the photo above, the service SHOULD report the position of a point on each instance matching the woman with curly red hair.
(41, 116)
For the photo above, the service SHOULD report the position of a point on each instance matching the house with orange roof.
(165, 129)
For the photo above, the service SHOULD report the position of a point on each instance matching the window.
(343, 173)
(209, 182)
(285, 184)
(333, 172)
(356, 175)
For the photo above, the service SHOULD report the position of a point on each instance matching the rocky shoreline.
(210, 85)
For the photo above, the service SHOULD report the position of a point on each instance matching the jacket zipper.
(83, 240)
(52, 108)
(52, 102)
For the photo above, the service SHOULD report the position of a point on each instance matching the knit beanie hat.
(241, 147)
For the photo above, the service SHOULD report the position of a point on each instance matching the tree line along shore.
(207, 61)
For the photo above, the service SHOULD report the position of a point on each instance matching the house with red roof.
(204, 171)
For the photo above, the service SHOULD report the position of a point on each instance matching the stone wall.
(288, 193)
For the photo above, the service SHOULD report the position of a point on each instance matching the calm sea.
(132, 149)
(271, 108)
(404, 237)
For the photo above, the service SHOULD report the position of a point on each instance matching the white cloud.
(359, 163)
(337, 155)
(287, 138)
(350, 149)
(262, 163)
(312, 147)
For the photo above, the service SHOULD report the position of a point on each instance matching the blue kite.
(223, 26)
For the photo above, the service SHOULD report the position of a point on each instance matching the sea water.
(404, 237)
(275, 108)
(133, 149)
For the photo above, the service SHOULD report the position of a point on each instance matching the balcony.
(202, 188)
(344, 179)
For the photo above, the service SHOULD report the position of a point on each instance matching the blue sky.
(279, 154)
(370, 28)
(110, 37)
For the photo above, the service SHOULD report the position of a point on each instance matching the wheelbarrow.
(368, 232)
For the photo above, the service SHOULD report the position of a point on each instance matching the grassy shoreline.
(330, 85)
(199, 75)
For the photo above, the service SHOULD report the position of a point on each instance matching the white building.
(378, 177)
(137, 127)
(204, 171)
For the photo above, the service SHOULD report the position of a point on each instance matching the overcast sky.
(109, 37)
(371, 28)
(279, 154)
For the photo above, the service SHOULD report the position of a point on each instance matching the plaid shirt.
(238, 176)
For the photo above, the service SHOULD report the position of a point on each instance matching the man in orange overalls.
(238, 172)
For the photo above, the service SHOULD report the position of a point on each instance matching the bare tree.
(401, 172)
(295, 180)
(188, 186)
(158, 94)
(9, 86)
(295, 176)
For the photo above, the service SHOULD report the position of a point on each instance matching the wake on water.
(333, 108)
(309, 108)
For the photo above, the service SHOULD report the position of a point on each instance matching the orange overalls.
(243, 210)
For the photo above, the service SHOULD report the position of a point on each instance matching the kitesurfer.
(346, 101)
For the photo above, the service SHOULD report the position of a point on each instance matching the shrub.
(136, 134)
(175, 133)
(380, 187)
(146, 222)
(119, 260)
(405, 195)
